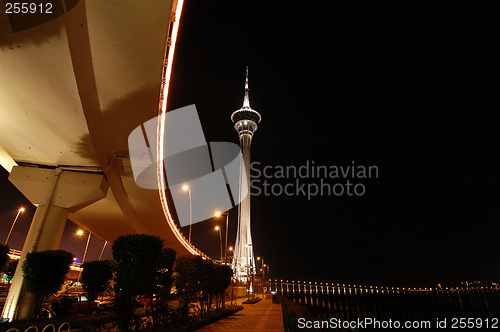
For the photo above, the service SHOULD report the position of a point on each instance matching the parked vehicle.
(72, 304)
(106, 305)
(143, 301)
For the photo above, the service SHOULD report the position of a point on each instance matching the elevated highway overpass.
(73, 84)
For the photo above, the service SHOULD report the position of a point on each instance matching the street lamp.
(80, 233)
(104, 246)
(15, 219)
(232, 255)
(262, 264)
(217, 228)
(185, 187)
(265, 272)
(218, 214)
(249, 252)
(249, 267)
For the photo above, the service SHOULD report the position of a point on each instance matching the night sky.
(410, 88)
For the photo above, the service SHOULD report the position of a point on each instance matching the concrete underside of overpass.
(73, 85)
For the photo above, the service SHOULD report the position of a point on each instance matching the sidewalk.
(261, 316)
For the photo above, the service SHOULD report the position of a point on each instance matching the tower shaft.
(243, 255)
(245, 123)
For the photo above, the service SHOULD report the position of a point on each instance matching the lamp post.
(230, 249)
(261, 269)
(250, 259)
(104, 246)
(185, 187)
(249, 268)
(217, 228)
(80, 233)
(261, 263)
(218, 214)
(15, 219)
(232, 278)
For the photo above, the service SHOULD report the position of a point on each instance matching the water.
(348, 303)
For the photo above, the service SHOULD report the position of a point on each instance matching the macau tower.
(245, 123)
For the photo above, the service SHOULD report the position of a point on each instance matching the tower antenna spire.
(246, 101)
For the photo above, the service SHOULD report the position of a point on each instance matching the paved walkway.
(261, 316)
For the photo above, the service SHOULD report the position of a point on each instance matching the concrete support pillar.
(55, 193)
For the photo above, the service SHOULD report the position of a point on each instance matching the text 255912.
(28, 8)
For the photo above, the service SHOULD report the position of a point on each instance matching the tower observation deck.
(245, 123)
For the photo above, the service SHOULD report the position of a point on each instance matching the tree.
(165, 280)
(223, 275)
(217, 279)
(95, 278)
(4, 257)
(188, 281)
(207, 282)
(143, 267)
(199, 279)
(163, 287)
(44, 273)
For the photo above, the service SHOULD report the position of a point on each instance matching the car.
(75, 290)
(105, 305)
(143, 301)
(72, 304)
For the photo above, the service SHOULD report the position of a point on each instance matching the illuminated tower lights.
(245, 123)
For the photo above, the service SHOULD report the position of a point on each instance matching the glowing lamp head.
(80, 232)
(21, 209)
(217, 228)
(185, 187)
(217, 214)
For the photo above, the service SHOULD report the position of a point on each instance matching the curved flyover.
(73, 84)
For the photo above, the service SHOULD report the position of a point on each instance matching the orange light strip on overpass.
(169, 55)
